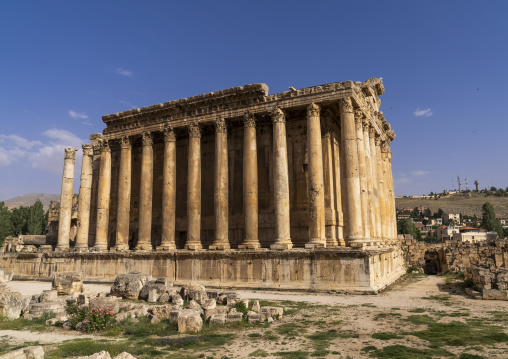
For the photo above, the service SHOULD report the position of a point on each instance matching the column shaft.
(330, 189)
(194, 190)
(354, 206)
(338, 192)
(124, 195)
(368, 175)
(221, 241)
(101, 232)
(145, 195)
(317, 234)
(281, 183)
(250, 184)
(169, 192)
(363, 174)
(375, 182)
(64, 220)
(381, 188)
(85, 194)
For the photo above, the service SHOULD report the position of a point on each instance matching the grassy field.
(458, 203)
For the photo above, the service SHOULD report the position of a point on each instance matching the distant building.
(451, 217)
(445, 233)
(474, 237)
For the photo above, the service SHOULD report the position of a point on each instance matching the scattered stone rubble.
(488, 283)
(35, 352)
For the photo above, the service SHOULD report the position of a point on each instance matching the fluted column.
(124, 195)
(221, 241)
(317, 234)
(362, 171)
(375, 182)
(329, 184)
(352, 178)
(250, 184)
(85, 194)
(338, 192)
(194, 190)
(168, 192)
(146, 194)
(368, 175)
(281, 182)
(102, 228)
(381, 188)
(64, 220)
(390, 199)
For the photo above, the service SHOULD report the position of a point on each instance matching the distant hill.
(468, 204)
(29, 199)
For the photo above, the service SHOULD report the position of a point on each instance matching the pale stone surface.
(169, 191)
(124, 355)
(189, 321)
(129, 285)
(124, 194)
(194, 190)
(64, 226)
(5, 277)
(66, 283)
(146, 194)
(255, 306)
(34, 352)
(85, 193)
(495, 294)
(13, 304)
(218, 319)
(101, 355)
(106, 302)
(273, 311)
(194, 291)
(104, 190)
(161, 286)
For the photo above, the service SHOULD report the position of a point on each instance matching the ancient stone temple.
(240, 175)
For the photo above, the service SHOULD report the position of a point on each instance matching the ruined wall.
(456, 256)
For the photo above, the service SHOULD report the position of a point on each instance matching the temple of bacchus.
(238, 188)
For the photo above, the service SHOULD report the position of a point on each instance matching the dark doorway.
(431, 263)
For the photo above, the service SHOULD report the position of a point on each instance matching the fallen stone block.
(189, 321)
(194, 291)
(209, 304)
(48, 296)
(255, 306)
(37, 309)
(234, 317)
(34, 352)
(218, 319)
(129, 285)
(109, 302)
(156, 288)
(276, 312)
(217, 310)
(66, 283)
(495, 294)
(254, 317)
(101, 355)
(13, 304)
(124, 355)
(5, 277)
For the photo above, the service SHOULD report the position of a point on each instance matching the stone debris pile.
(488, 283)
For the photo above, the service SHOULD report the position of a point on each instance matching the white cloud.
(76, 115)
(123, 72)
(423, 113)
(127, 103)
(402, 180)
(8, 156)
(419, 173)
(18, 141)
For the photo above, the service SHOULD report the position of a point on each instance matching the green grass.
(190, 342)
(417, 310)
(38, 324)
(321, 341)
(298, 354)
(84, 347)
(385, 336)
(290, 329)
(260, 353)
(5, 347)
(471, 356)
(420, 319)
(143, 328)
(404, 352)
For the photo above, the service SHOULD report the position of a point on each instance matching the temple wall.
(342, 270)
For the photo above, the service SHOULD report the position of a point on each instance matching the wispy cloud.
(77, 115)
(127, 104)
(419, 173)
(18, 141)
(123, 72)
(423, 113)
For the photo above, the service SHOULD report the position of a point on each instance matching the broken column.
(64, 221)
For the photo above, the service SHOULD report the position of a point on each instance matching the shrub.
(94, 319)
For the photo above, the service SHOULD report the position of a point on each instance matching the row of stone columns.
(367, 182)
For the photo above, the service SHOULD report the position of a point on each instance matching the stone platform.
(338, 269)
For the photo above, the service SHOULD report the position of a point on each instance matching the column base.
(315, 244)
(341, 242)
(282, 244)
(166, 248)
(143, 247)
(365, 243)
(250, 245)
(99, 248)
(119, 249)
(80, 248)
(61, 248)
(193, 247)
(219, 247)
(332, 242)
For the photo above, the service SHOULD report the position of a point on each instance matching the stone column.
(221, 212)
(145, 195)
(352, 178)
(281, 182)
(169, 192)
(381, 188)
(368, 175)
(64, 220)
(85, 194)
(329, 184)
(362, 173)
(338, 192)
(194, 190)
(250, 184)
(317, 234)
(390, 199)
(375, 182)
(101, 232)
(124, 195)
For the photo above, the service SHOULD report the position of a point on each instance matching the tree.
(36, 219)
(439, 213)
(5, 222)
(406, 226)
(427, 213)
(489, 220)
(19, 220)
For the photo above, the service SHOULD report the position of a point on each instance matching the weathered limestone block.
(194, 291)
(255, 306)
(273, 311)
(38, 309)
(5, 277)
(189, 321)
(495, 294)
(218, 319)
(101, 355)
(66, 283)
(253, 317)
(129, 285)
(13, 304)
(216, 310)
(195, 306)
(124, 355)
(234, 317)
(177, 299)
(160, 286)
(209, 304)
(35, 352)
(48, 296)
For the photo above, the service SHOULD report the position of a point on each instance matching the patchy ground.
(420, 317)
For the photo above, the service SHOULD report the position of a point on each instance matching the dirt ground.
(386, 325)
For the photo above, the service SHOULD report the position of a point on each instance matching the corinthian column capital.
(194, 130)
(249, 120)
(346, 106)
(313, 110)
(220, 126)
(169, 134)
(278, 116)
(147, 139)
(125, 142)
(87, 149)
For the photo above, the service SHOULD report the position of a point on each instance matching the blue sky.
(64, 64)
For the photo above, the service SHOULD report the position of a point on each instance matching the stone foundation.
(340, 269)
